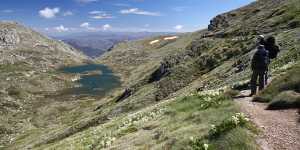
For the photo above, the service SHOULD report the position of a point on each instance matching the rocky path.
(280, 128)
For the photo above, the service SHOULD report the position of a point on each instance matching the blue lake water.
(97, 85)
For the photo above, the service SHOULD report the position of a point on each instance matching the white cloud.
(61, 28)
(178, 27)
(68, 13)
(95, 12)
(85, 25)
(86, 1)
(7, 11)
(137, 11)
(106, 27)
(49, 12)
(100, 15)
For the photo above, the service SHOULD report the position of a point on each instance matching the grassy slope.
(284, 91)
(28, 79)
(209, 67)
(173, 124)
(132, 60)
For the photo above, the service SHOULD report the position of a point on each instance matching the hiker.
(259, 67)
(273, 49)
(261, 40)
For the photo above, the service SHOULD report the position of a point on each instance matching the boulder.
(8, 37)
(218, 22)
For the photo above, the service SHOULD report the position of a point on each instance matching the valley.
(93, 79)
(183, 91)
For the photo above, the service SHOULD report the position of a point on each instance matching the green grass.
(285, 100)
(14, 67)
(170, 124)
(231, 93)
(288, 81)
(237, 139)
(232, 133)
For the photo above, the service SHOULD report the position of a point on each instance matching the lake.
(93, 84)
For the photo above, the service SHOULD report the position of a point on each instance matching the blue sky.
(69, 16)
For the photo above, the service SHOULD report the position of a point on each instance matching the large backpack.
(271, 47)
(273, 51)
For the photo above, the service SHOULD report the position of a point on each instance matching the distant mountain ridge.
(95, 44)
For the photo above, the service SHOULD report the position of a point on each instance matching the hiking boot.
(252, 94)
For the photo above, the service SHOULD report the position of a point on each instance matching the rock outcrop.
(19, 44)
(218, 22)
(8, 38)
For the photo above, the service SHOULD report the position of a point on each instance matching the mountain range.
(95, 44)
(178, 91)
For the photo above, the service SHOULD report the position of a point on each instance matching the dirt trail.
(281, 128)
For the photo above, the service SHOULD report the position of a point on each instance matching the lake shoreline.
(94, 79)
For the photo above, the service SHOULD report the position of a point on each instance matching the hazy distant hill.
(95, 44)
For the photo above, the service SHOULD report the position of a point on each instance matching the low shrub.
(285, 100)
(243, 85)
(236, 121)
(231, 93)
(14, 91)
(290, 81)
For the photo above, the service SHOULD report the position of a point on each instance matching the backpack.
(271, 47)
(260, 60)
(273, 51)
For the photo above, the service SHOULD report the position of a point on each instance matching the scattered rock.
(127, 93)
(218, 22)
(294, 24)
(8, 37)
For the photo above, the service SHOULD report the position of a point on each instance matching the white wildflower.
(247, 119)
(113, 139)
(235, 120)
(205, 146)
(102, 143)
(108, 143)
(213, 128)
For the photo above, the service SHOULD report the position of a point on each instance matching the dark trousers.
(260, 74)
(267, 75)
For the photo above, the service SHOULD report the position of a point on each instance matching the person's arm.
(268, 57)
(254, 60)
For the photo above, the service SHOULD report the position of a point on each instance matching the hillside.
(179, 89)
(95, 44)
(28, 66)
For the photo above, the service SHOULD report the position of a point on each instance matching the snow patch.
(171, 38)
(153, 42)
